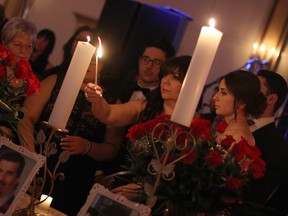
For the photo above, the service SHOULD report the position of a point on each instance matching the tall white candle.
(71, 85)
(196, 76)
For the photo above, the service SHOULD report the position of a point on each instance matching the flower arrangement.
(187, 168)
(13, 88)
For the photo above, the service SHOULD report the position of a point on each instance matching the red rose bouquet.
(187, 168)
(15, 87)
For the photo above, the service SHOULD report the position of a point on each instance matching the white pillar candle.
(47, 202)
(196, 76)
(71, 85)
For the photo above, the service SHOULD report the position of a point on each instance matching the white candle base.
(46, 204)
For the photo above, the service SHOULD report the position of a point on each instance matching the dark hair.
(67, 56)
(50, 36)
(155, 101)
(180, 64)
(41, 61)
(246, 89)
(160, 43)
(14, 157)
(275, 84)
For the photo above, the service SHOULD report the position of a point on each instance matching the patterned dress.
(70, 194)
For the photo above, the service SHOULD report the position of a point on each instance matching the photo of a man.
(12, 164)
(105, 206)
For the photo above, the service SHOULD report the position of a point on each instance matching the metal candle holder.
(63, 157)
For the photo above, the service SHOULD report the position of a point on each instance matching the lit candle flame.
(99, 50)
(262, 47)
(212, 23)
(255, 46)
(88, 39)
(272, 51)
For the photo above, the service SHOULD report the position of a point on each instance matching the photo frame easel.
(101, 201)
(32, 163)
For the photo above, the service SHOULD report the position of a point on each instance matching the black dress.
(70, 194)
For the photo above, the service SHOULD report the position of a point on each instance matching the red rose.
(33, 84)
(240, 150)
(162, 117)
(221, 126)
(9, 61)
(258, 167)
(3, 52)
(140, 130)
(214, 159)
(227, 142)
(22, 69)
(133, 133)
(253, 152)
(200, 128)
(233, 183)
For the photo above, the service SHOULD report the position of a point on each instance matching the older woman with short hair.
(18, 36)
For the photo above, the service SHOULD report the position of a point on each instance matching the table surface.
(25, 200)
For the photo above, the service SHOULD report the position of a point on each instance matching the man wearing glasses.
(154, 53)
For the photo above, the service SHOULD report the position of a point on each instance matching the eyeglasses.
(146, 59)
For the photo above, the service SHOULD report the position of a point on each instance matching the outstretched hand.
(93, 93)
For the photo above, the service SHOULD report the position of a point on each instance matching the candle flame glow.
(272, 51)
(255, 46)
(99, 50)
(88, 39)
(262, 47)
(212, 23)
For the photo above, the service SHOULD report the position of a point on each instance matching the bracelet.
(88, 147)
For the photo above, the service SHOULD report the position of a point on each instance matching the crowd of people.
(96, 128)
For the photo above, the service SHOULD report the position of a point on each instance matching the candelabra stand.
(40, 181)
(171, 137)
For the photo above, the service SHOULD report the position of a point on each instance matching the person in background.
(272, 189)
(44, 46)
(238, 97)
(145, 79)
(90, 143)
(162, 101)
(12, 164)
(69, 47)
(18, 36)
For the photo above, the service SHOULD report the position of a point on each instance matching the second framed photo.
(102, 202)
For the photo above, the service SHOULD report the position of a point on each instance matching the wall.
(242, 23)
(60, 17)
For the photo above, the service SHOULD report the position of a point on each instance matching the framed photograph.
(18, 166)
(101, 202)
